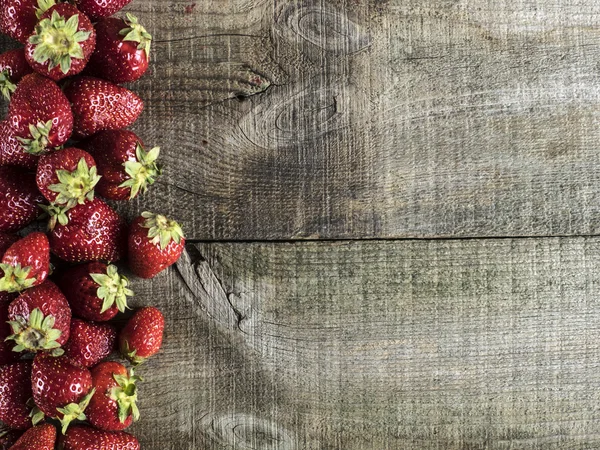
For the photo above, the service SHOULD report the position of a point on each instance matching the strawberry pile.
(65, 152)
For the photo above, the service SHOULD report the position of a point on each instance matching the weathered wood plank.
(478, 344)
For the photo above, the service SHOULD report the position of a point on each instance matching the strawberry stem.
(40, 138)
(35, 334)
(125, 394)
(56, 213)
(142, 172)
(7, 87)
(112, 289)
(15, 278)
(76, 186)
(74, 411)
(162, 230)
(135, 32)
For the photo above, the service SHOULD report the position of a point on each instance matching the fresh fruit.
(96, 9)
(42, 437)
(15, 391)
(26, 263)
(122, 50)
(67, 177)
(87, 438)
(8, 438)
(90, 343)
(60, 389)
(6, 240)
(113, 406)
(7, 356)
(89, 232)
(19, 17)
(19, 199)
(40, 319)
(11, 150)
(95, 291)
(142, 336)
(40, 114)
(126, 168)
(100, 105)
(154, 244)
(62, 42)
(13, 67)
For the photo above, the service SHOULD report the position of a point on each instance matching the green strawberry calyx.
(36, 334)
(162, 230)
(74, 411)
(125, 394)
(43, 6)
(15, 278)
(36, 413)
(131, 355)
(57, 214)
(7, 87)
(40, 138)
(142, 172)
(57, 41)
(112, 289)
(77, 186)
(137, 33)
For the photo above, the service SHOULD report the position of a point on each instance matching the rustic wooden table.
(393, 215)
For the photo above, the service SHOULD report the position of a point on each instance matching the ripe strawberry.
(62, 42)
(67, 177)
(89, 232)
(6, 240)
(142, 336)
(7, 356)
(13, 67)
(90, 342)
(8, 438)
(19, 17)
(40, 114)
(154, 244)
(87, 438)
(113, 406)
(60, 389)
(15, 391)
(19, 199)
(40, 319)
(96, 9)
(11, 150)
(126, 168)
(26, 263)
(99, 105)
(122, 50)
(95, 291)
(42, 437)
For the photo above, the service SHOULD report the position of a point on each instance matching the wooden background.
(393, 215)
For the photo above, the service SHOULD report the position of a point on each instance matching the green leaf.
(162, 230)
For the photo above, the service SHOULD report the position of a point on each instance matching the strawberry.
(6, 354)
(40, 114)
(126, 168)
(11, 150)
(154, 244)
(67, 177)
(13, 67)
(60, 389)
(113, 406)
(122, 50)
(90, 342)
(87, 438)
(95, 291)
(42, 437)
(142, 336)
(15, 391)
(8, 438)
(62, 43)
(19, 17)
(96, 9)
(89, 232)
(26, 263)
(6, 240)
(40, 319)
(19, 199)
(99, 105)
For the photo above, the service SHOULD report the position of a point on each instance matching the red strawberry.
(142, 336)
(95, 291)
(99, 105)
(8, 438)
(113, 406)
(40, 319)
(13, 67)
(60, 389)
(89, 232)
(19, 199)
(154, 244)
(62, 43)
(11, 150)
(67, 177)
(19, 17)
(122, 50)
(90, 342)
(87, 438)
(42, 437)
(96, 9)
(6, 354)
(26, 263)
(6, 240)
(40, 114)
(126, 168)
(15, 391)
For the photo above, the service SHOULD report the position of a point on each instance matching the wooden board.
(466, 344)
